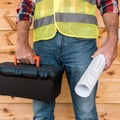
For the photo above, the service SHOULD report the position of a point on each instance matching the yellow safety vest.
(75, 18)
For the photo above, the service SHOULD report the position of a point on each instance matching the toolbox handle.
(36, 58)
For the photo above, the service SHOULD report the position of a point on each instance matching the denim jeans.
(75, 55)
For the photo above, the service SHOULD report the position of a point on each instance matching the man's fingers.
(32, 60)
(27, 60)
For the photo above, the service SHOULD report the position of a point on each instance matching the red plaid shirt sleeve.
(107, 6)
(25, 9)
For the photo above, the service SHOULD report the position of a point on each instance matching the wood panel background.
(108, 95)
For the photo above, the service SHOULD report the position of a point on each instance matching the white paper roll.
(88, 80)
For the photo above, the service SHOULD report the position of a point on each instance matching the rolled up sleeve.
(25, 10)
(108, 6)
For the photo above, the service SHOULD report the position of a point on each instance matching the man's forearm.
(109, 47)
(111, 24)
(23, 32)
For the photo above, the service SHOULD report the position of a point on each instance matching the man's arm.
(24, 52)
(110, 17)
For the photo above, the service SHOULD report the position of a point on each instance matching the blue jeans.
(75, 55)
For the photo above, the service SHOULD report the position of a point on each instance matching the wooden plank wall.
(108, 96)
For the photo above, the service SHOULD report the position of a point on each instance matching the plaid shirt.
(25, 9)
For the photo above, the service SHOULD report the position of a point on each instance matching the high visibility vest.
(75, 18)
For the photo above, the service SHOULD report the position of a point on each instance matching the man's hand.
(109, 50)
(24, 52)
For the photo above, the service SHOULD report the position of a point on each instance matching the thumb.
(95, 54)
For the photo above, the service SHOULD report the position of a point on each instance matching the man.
(65, 33)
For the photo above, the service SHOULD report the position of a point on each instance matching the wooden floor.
(105, 112)
(62, 112)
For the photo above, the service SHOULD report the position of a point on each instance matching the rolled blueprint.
(90, 77)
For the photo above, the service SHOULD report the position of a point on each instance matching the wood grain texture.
(62, 112)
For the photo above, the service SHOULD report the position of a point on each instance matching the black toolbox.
(28, 81)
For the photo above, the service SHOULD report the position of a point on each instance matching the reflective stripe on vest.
(65, 17)
(74, 20)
